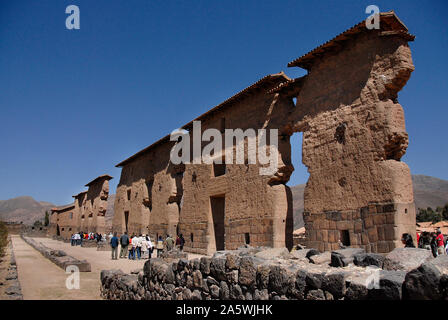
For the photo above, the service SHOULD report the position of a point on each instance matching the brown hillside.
(23, 209)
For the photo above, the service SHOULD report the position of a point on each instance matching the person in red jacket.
(440, 243)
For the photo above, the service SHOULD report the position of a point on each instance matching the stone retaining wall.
(58, 257)
(60, 238)
(14, 290)
(89, 244)
(262, 274)
(103, 246)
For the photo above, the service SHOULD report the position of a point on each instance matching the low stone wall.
(89, 244)
(173, 255)
(262, 274)
(13, 290)
(58, 257)
(61, 238)
(103, 246)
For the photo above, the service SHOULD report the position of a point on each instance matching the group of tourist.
(433, 241)
(141, 246)
(77, 238)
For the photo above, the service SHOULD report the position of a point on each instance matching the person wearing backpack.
(114, 245)
(124, 242)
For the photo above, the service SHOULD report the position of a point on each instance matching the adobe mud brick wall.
(354, 136)
(359, 192)
(86, 214)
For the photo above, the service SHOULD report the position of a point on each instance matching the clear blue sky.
(74, 103)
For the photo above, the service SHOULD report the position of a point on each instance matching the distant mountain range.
(428, 192)
(23, 209)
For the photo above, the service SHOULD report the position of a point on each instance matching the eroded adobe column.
(359, 193)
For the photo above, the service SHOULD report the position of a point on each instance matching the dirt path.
(41, 279)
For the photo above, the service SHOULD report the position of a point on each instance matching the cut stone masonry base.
(373, 228)
(262, 274)
(58, 257)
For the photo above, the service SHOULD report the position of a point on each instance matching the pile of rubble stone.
(14, 290)
(58, 257)
(262, 274)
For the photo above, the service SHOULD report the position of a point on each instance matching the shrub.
(3, 238)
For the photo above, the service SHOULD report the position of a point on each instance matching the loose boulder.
(406, 259)
(390, 286)
(427, 281)
(323, 258)
(368, 259)
(344, 257)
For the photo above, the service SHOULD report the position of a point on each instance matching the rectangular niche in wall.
(345, 238)
(126, 220)
(218, 209)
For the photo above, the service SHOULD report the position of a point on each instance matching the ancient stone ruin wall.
(78, 211)
(359, 193)
(159, 197)
(86, 214)
(144, 201)
(354, 137)
(257, 208)
(62, 222)
(275, 274)
(95, 205)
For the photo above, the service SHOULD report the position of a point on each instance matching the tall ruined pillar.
(359, 193)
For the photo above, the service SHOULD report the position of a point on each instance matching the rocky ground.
(10, 288)
(266, 273)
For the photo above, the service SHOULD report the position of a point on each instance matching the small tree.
(437, 216)
(47, 219)
(445, 212)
